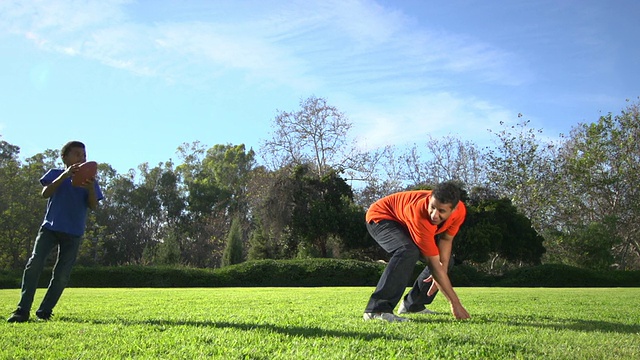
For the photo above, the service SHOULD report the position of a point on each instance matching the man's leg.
(45, 242)
(67, 253)
(394, 239)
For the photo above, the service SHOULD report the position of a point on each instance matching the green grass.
(324, 323)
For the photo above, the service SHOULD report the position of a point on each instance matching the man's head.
(73, 152)
(444, 198)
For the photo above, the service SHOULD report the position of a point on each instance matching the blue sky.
(135, 79)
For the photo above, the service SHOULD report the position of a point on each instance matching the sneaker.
(44, 315)
(18, 316)
(403, 310)
(384, 316)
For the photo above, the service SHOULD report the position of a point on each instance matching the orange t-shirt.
(410, 208)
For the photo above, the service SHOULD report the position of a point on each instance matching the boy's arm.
(51, 188)
(92, 200)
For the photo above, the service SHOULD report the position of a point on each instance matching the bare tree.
(316, 134)
(448, 158)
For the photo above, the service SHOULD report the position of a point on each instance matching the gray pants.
(67, 253)
(395, 239)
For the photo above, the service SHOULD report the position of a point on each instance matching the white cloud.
(398, 75)
(414, 119)
(337, 42)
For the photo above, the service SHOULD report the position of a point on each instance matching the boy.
(63, 225)
(405, 224)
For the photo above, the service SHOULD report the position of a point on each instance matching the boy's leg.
(394, 239)
(67, 254)
(45, 242)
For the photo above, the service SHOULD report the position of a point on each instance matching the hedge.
(320, 272)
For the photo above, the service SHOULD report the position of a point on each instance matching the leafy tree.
(233, 250)
(522, 168)
(216, 183)
(599, 168)
(594, 243)
(306, 215)
(495, 229)
(21, 203)
(318, 210)
(230, 168)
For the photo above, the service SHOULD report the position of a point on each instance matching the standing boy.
(64, 224)
(405, 225)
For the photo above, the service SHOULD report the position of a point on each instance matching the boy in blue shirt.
(64, 224)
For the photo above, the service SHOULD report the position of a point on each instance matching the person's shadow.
(303, 331)
(556, 323)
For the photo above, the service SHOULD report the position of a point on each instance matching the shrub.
(321, 272)
(556, 275)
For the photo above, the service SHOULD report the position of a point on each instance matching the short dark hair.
(448, 192)
(67, 147)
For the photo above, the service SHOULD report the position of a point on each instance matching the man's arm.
(439, 273)
(445, 244)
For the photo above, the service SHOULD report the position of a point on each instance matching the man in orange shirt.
(405, 225)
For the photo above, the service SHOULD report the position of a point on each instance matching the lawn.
(324, 323)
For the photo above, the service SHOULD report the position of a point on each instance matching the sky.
(134, 80)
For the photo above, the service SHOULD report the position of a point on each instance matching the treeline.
(574, 201)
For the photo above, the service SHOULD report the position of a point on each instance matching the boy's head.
(444, 198)
(73, 152)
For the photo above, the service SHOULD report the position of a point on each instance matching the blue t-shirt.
(67, 207)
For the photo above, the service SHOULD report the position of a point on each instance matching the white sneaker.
(403, 310)
(390, 317)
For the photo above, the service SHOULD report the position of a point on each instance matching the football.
(86, 171)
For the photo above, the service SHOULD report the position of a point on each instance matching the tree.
(599, 168)
(233, 250)
(448, 158)
(307, 216)
(216, 181)
(230, 168)
(382, 173)
(522, 168)
(316, 134)
(318, 211)
(495, 229)
(21, 205)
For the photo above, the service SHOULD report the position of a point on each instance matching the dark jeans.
(395, 239)
(67, 253)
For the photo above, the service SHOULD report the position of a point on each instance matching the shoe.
(44, 315)
(403, 310)
(18, 316)
(384, 316)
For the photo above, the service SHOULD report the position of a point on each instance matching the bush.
(303, 272)
(321, 272)
(556, 275)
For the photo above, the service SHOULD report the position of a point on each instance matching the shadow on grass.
(566, 324)
(286, 330)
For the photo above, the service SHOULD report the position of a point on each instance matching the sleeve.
(99, 195)
(49, 176)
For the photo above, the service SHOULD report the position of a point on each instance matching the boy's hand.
(88, 184)
(68, 172)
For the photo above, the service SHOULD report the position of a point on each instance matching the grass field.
(324, 323)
